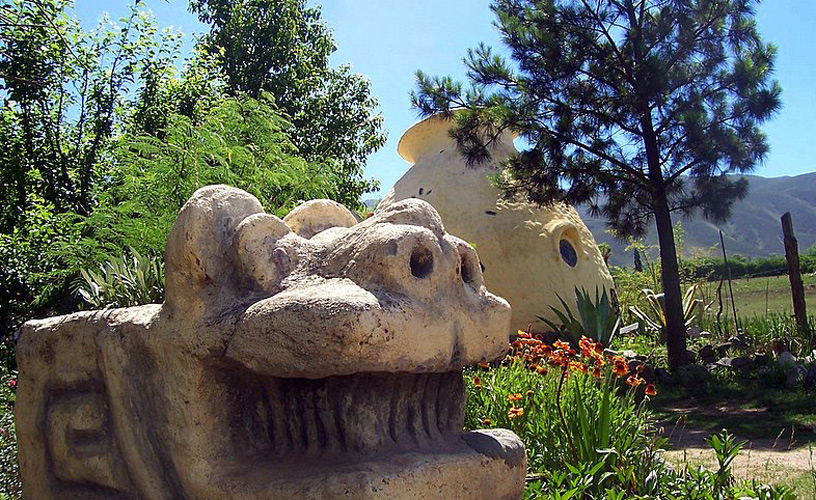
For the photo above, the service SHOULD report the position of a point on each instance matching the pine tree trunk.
(670, 275)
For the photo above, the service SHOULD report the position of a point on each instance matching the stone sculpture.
(325, 364)
(531, 255)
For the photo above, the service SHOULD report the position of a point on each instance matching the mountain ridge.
(753, 230)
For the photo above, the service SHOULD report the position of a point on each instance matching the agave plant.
(596, 319)
(655, 319)
(129, 280)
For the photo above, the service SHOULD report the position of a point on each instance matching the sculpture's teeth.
(430, 408)
(363, 413)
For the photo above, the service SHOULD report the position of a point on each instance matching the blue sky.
(389, 40)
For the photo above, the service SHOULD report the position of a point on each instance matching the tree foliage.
(62, 88)
(106, 134)
(283, 48)
(638, 108)
(242, 142)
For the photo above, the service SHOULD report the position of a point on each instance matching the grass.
(760, 296)
(763, 466)
(750, 409)
(778, 423)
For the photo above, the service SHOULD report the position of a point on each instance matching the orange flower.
(574, 365)
(477, 382)
(634, 381)
(558, 359)
(587, 347)
(515, 412)
(513, 397)
(487, 421)
(541, 370)
(596, 372)
(621, 367)
(483, 364)
(650, 390)
(560, 344)
(524, 335)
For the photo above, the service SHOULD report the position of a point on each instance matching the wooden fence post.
(797, 289)
(730, 289)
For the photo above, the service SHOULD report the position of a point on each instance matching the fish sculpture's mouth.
(341, 433)
(350, 416)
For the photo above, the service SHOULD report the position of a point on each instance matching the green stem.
(564, 371)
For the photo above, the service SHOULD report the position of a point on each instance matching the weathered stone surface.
(740, 364)
(692, 375)
(531, 255)
(722, 349)
(707, 354)
(786, 359)
(279, 367)
(664, 377)
(796, 375)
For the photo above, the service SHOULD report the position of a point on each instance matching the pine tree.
(639, 108)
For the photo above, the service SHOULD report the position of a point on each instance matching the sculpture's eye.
(421, 262)
(568, 252)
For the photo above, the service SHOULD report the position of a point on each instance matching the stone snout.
(309, 357)
(395, 292)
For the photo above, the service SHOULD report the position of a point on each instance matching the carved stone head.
(310, 357)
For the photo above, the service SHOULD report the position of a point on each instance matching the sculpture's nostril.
(465, 271)
(422, 262)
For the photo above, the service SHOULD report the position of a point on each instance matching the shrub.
(597, 318)
(587, 434)
(655, 319)
(129, 280)
(570, 408)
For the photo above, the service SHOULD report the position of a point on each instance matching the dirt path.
(775, 459)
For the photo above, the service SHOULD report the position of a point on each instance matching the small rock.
(786, 359)
(724, 362)
(664, 377)
(738, 342)
(691, 356)
(810, 358)
(693, 332)
(648, 373)
(705, 334)
(629, 354)
(723, 349)
(707, 354)
(810, 378)
(760, 359)
(743, 364)
(692, 375)
(796, 375)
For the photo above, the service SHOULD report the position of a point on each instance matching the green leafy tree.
(283, 48)
(637, 107)
(242, 142)
(63, 90)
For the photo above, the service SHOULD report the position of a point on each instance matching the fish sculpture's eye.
(568, 252)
